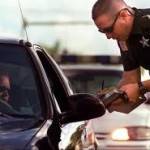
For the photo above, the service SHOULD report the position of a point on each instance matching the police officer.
(131, 28)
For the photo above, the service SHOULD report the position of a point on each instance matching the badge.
(144, 42)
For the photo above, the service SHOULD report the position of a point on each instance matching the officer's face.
(114, 27)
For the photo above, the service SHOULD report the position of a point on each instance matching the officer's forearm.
(121, 83)
(125, 81)
(132, 76)
(146, 84)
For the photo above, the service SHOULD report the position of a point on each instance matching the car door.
(60, 91)
(58, 82)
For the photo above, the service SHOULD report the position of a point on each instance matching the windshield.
(90, 81)
(19, 95)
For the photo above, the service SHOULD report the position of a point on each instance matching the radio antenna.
(24, 23)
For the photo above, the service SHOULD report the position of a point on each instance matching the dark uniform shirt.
(135, 52)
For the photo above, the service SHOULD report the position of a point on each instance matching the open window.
(56, 79)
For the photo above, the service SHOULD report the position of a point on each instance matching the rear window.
(90, 81)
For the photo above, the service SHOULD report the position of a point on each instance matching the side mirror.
(83, 107)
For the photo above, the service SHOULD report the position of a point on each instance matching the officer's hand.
(132, 90)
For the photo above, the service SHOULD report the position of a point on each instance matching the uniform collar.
(136, 29)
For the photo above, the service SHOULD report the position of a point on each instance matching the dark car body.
(34, 117)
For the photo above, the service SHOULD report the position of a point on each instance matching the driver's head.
(4, 86)
(114, 18)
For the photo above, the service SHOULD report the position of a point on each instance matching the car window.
(56, 80)
(90, 81)
(23, 93)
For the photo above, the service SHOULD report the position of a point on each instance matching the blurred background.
(62, 26)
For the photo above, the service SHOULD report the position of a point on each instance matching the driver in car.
(4, 87)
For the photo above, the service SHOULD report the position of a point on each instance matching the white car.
(118, 131)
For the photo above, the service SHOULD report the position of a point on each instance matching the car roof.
(9, 40)
(15, 41)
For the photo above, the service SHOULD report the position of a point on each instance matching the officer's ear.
(124, 13)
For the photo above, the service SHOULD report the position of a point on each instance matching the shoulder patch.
(146, 16)
(123, 46)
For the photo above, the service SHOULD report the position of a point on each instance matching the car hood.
(110, 121)
(15, 134)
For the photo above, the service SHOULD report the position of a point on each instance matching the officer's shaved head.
(110, 7)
